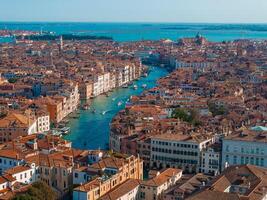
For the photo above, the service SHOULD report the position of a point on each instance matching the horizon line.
(137, 22)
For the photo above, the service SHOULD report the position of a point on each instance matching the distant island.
(48, 37)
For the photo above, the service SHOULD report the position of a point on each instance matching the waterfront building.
(85, 90)
(43, 122)
(54, 107)
(245, 147)
(101, 84)
(179, 151)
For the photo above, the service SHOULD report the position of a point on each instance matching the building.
(154, 188)
(187, 186)
(178, 151)
(245, 147)
(129, 190)
(211, 160)
(236, 183)
(14, 125)
(25, 174)
(85, 90)
(55, 109)
(43, 122)
(105, 175)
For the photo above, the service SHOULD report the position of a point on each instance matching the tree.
(190, 116)
(38, 191)
(217, 110)
(12, 80)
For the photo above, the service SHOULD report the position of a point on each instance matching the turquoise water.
(91, 131)
(151, 31)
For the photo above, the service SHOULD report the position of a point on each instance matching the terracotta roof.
(161, 178)
(17, 169)
(212, 195)
(121, 190)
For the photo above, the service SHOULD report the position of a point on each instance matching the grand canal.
(91, 130)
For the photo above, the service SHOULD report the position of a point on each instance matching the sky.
(193, 11)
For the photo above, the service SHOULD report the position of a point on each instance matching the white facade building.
(43, 123)
(178, 151)
(245, 147)
(210, 161)
(24, 174)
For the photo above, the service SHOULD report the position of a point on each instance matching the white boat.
(119, 103)
(65, 130)
(113, 99)
(144, 86)
(104, 112)
(135, 87)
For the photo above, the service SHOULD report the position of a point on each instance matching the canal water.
(91, 130)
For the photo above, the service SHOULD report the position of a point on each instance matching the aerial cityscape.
(126, 104)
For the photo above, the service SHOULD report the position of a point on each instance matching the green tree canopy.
(38, 191)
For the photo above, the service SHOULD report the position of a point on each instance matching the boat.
(119, 103)
(144, 86)
(113, 99)
(125, 86)
(65, 130)
(93, 111)
(104, 112)
(145, 75)
(85, 107)
(75, 117)
(135, 87)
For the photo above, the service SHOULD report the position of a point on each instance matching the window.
(242, 160)
(257, 161)
(235, 160)
(227, 158)
(252, 160)
(76, 175)
(257, 150)
(227, 148)
(262, 161)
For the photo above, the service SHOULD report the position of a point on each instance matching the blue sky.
(212, 11)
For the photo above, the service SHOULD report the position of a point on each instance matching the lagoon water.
(91, 131)
(148, 31)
